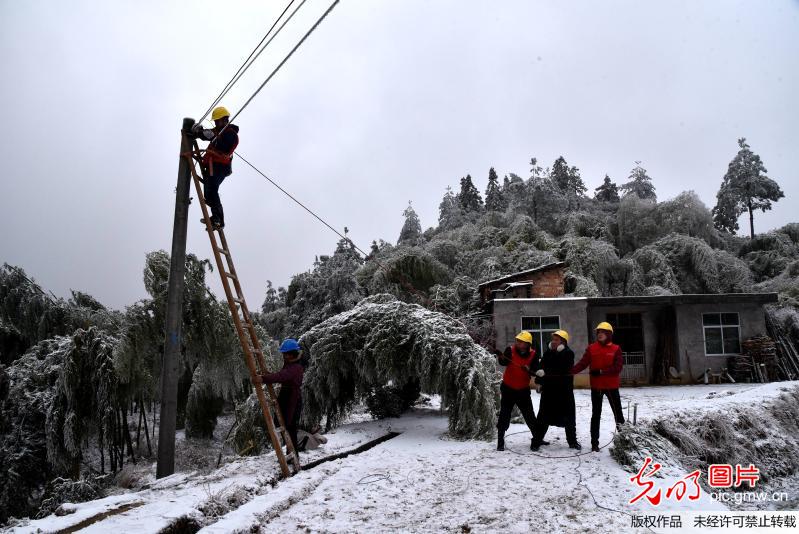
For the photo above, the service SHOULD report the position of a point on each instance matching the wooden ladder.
(242, 320)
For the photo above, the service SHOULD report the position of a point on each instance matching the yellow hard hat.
(562, 334)
(219, 112)
(527, 337)
(604, 326)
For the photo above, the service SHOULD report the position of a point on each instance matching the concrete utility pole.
(174, 315)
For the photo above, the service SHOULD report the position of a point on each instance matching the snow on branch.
(383, 340)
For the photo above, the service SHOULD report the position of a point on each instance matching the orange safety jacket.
(220, 150)
(607, 359)
(515, 376)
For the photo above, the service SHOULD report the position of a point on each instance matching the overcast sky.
(388, 101)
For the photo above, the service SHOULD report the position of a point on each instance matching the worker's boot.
(575, 445)
(501, 441)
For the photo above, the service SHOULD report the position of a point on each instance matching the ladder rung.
(239, 301)
(231, 276)
(224, 251)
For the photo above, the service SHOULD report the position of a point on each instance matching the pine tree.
(412, 229)
(271, 301)
(560, 174)
(469, 197)
(449, 211)
(640, 184)
(539, 187)
(607, 192)
(568, 182)
(745, 188)
(495, 200)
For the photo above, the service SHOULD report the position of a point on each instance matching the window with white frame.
(541, 328)
(722, 333)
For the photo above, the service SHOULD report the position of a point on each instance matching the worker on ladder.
(289, 400)
(224, 138)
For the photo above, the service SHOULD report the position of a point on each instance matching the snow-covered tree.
(469, 197)
(745, 188)
(384, 340)
(271, 301)
(567, 181)
(607, 192)
(450, 213)
(686, 214)
(495, 200)
(412, 229)
(639, 184)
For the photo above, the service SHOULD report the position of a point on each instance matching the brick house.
(544, 281)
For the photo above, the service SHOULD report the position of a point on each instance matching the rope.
(253, 56)
(580, 481)
(533, 453)
(291, 53)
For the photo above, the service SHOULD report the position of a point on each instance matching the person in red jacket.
(520, 364)
(289, 400)
(605, 361)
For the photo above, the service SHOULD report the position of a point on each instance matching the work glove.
(539, 373)
(595, 372)
(197, 129)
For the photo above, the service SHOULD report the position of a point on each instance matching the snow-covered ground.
(420, 481)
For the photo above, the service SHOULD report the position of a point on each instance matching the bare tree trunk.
(102, 452)
(751, 223)
(138, 427)
(119, 443)
(111, 452)
(147, 433)
(126, 435)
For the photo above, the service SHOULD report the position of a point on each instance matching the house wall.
(691, 339)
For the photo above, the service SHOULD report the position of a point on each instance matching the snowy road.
(420, 481)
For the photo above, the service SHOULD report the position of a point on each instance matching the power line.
(402, 279)
(253, 56)
(291, 53)
(303, 206)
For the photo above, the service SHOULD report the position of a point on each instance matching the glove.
(595, 372)
(539, 373)
(197, 129)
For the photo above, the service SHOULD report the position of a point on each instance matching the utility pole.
(174, 314)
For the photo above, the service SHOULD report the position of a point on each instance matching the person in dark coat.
(289, 400)
(520, 363)
(218, 159)
(557, 391)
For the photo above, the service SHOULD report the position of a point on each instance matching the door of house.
(628, 333)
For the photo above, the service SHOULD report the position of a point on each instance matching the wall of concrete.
(691, 336)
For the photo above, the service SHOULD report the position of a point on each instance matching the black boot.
(595, 447)
(501, 441)
(575, 445)
(535, 445)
